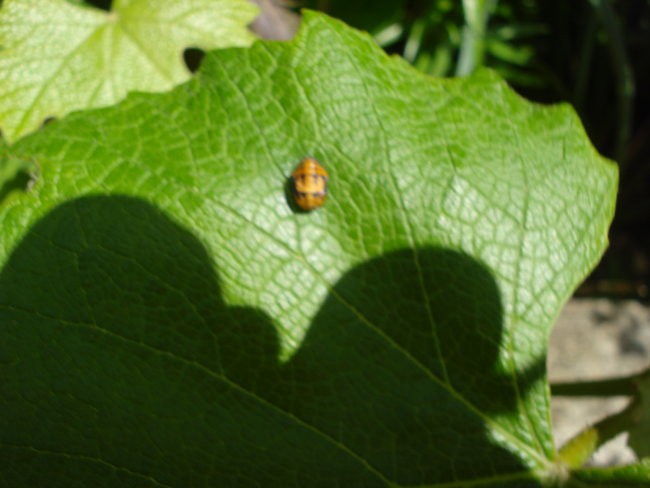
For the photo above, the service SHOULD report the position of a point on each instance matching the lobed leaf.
(57, 57)
(168, 319)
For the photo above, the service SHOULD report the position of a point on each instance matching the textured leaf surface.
(56, 57)
(169, 320)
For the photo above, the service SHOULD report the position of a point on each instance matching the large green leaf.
(168, 319)
(56, 57)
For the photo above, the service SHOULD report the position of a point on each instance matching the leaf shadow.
(122, 365)
(405, 350)
(16, 174)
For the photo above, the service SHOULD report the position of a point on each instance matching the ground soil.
(595, 339)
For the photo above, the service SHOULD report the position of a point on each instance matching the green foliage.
(640, 435)
(57, 57)
(444, 37)
(168, 320)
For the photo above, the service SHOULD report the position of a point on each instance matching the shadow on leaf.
(400, 364)
(121, 365)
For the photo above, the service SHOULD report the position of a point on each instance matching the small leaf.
(56, 57)
(580, 448)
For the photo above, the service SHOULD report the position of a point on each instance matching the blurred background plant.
(593, 54)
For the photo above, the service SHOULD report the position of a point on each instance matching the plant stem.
(622, 72)
(625, 386)
(472, 48)
(585, 59)
(414, 41)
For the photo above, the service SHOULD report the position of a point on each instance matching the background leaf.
(169, 320)
(57, 57)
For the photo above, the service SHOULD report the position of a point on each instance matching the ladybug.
(309, 184)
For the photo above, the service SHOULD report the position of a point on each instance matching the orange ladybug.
(309, 184)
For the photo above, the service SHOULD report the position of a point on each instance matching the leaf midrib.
(524, 474)
(211, 373)
(515, 441)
